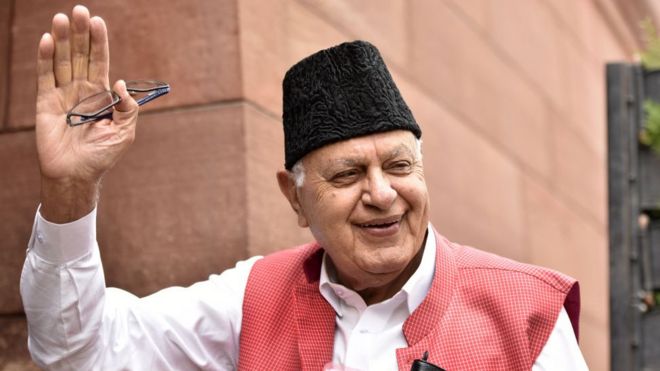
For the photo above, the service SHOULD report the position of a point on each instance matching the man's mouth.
(378, 225)
(381, 226)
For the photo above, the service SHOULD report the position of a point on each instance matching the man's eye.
(345, 176)
(400, 166)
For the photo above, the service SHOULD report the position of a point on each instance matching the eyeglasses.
(100, 106)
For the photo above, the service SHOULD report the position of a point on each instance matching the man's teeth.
(384, 225)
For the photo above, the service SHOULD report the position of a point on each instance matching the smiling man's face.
(365, 201)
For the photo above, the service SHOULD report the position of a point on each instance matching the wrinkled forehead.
(368, 148)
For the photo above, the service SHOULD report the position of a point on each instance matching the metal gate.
(634, 221)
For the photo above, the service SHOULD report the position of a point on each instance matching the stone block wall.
(510, 95)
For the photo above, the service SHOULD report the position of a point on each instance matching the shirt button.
(40, 237)
(340, 292)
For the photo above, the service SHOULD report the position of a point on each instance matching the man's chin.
(391, 268)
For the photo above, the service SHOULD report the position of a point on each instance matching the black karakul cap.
(340, 93)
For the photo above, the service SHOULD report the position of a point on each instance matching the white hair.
(418, 148)
(297, 172)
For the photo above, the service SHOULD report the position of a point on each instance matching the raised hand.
(73, 63)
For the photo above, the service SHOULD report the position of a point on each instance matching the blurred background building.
(510, 95)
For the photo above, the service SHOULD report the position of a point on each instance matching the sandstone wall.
(510, 95)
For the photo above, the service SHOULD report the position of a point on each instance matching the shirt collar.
(415, 289)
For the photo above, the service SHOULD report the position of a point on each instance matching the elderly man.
(378, 290)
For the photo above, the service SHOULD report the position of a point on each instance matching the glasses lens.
(92, 108)
(97, 104)
(144, 91)
(145, 85)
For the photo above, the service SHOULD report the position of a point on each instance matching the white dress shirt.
(76, 323)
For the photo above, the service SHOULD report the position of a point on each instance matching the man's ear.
(290, 191)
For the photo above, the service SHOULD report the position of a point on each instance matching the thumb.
(127, 107)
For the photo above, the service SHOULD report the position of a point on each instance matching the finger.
(80, 42)
(126, 112)
(45, 76)
(62, 61)
(99, 56)
(127, 108)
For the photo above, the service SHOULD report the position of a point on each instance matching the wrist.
(64, 201)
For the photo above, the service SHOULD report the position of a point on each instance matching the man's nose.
(378, 191)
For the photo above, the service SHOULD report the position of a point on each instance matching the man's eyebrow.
(345, 162)
(400, 150)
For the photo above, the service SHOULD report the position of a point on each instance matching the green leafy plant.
(650, 134)
(650, 59)
(651, 55)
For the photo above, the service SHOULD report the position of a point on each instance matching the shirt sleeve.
(561, 351)
(76, 323)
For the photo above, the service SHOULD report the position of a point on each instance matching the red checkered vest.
(483, 312)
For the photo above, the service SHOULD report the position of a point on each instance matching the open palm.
(84, 152)
(73, 63)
